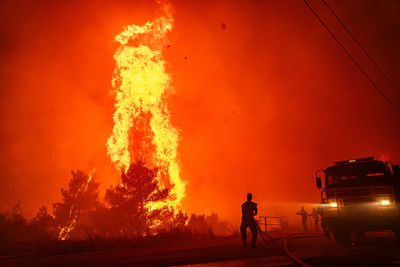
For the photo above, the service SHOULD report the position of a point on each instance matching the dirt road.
(377, 250)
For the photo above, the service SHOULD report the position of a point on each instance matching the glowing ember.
(142, 129)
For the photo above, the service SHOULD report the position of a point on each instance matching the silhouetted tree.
(42, 226)
(173, 222)
(216, 225)
(208, 224)
(78, 200)
(105, 223)
(129, 200)
(198, 224)
(4, 229)
(18, 222)
(13, 225)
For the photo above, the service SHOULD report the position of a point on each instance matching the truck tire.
(341, 235)
(359, 235)
(327, 234)
(397, 235)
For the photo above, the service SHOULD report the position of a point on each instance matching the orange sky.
(261, 102)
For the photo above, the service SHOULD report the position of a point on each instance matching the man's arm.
(255, 211)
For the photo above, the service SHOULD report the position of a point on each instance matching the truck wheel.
(342, 235)
(397, 236)
(327, 234)
(359, 235)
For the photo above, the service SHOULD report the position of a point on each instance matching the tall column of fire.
(142, 129)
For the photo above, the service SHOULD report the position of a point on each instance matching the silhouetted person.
(249, 210)
(320, 210)
(314, 215)
(304, 216)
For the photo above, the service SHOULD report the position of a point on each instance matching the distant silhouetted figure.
(315, 217)
(304, 216)
(320, 210)
(249, 210)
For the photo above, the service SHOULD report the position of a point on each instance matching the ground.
(378, 249)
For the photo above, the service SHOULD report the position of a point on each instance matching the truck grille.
(355, 201)
(354, 192)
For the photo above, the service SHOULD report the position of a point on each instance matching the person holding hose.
(249, 210)
(304, 216)
(315, 216)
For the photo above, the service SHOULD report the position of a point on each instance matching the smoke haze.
(264, 96)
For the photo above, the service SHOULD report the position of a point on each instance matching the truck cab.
(359, 195)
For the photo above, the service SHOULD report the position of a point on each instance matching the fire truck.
(358, 196)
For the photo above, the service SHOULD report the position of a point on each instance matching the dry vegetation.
(123, 219)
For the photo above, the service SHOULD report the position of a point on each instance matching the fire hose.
(285, 241)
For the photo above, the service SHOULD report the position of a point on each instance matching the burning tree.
(134, 200)
(79, 199)
(142, 126)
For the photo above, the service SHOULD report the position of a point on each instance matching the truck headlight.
(385, 202)
(333, 204)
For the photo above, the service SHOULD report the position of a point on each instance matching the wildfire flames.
(65, 231)
(142, 129)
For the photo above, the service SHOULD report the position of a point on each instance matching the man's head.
(249, 196)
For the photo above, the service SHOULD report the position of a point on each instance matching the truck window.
(344, 179)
